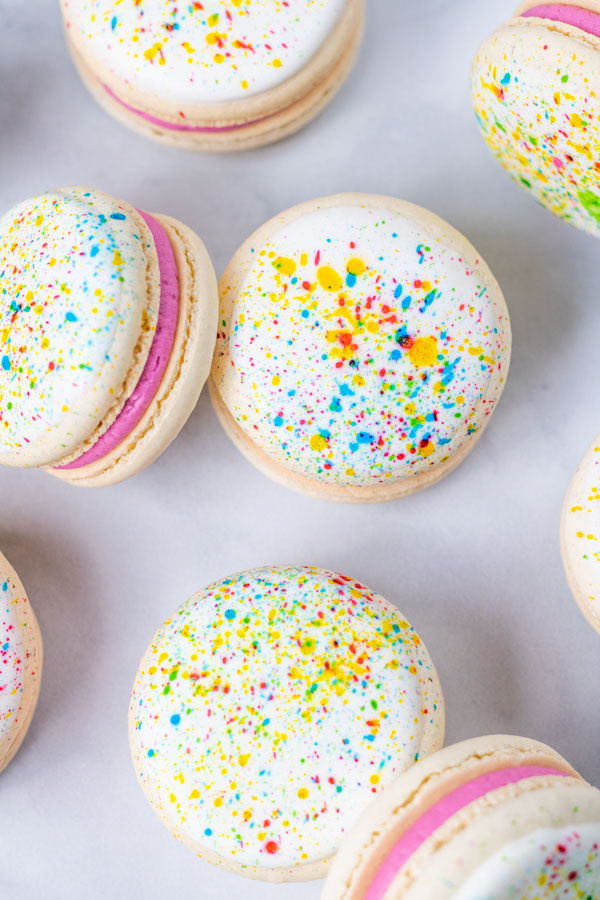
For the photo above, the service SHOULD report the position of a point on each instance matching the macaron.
(20, 662)
(495, 818)
(228, 75)
(107, 326)
(271, 708)
(535, 91)
(363, 345)
(580, 532)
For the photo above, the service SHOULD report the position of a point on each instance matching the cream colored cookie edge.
(184, 377)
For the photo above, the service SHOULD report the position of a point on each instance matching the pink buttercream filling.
(568, 15)
(158, 357)
(176, 126)
(435, 817)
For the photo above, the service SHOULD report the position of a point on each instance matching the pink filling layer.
(176, 126)
(435, 817)
(569, 15)
(158, 357)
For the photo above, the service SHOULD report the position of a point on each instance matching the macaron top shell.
(534, 91)
(78, 310)
(18, 652)
(198, 53)
(362, 340)
(581, 533)
(269, 710)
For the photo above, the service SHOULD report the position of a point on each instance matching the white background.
(473, 562)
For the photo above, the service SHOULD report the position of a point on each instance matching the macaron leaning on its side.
(228, 75)
(107, 323)
(535, 91)
(20, 662)
(488, 819)
(363, 345)
(580, 533)
(268, 711)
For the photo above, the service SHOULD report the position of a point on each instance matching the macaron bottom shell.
(265, 123)
(185, 373)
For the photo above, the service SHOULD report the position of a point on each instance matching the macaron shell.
(580, 533)
(21, 656)
(304, 441)
(186, 372)
(533, 85)
(273, 117)
(79, 308)
(416, 791)
(513, 848)
(275, 841)
(242, 58)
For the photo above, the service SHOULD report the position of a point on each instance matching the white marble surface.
(473, 562)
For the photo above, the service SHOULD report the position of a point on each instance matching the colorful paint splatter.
(581, 532)
(18, 654)
(202, 53)
(73, 266)
(361, 347)
(535, 91)
(549, 864)
(273, 706)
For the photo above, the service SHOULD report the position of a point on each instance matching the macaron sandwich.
(227, 75)
(107, 326)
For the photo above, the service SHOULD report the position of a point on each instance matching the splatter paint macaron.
(20, 662)
(268, 711)
(107, 325)
(535, 90)
(363, 345)
(580, 533)
(489, 819)
(224, 75)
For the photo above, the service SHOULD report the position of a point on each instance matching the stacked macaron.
(362, 348)
(535, 94)
(270, 708)
(227, 76)
(107, 318)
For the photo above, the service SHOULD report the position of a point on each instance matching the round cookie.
(20, 662)
(488, 819)
(229, 76)
(534, 85)
(580, 532)
(363, 345)
(107, 323)
(270, 708)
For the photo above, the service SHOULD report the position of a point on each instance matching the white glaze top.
(202, 53)
(273, 706)
(73, 291)
(549, 864)
(360, 346)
